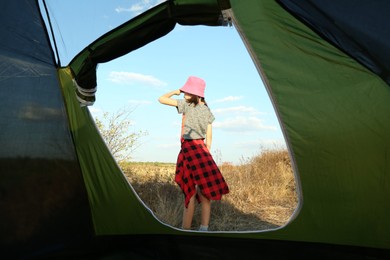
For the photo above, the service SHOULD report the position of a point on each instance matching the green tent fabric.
(63, 195)
(111, 198)
(358, 27)
(335, 116)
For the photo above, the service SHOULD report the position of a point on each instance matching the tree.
(115, 130)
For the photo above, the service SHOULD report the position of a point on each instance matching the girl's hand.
(177, 92)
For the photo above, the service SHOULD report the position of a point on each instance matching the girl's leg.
(206, 210)
(188, 213)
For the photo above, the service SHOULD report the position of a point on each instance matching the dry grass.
(262, 193)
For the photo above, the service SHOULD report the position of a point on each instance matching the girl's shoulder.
(205, 110)
(205, 107)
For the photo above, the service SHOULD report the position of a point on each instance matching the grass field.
(262, 193)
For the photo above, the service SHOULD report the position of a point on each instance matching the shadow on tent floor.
(208, 247)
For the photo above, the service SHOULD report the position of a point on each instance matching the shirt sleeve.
(180, 106)
(211, 118)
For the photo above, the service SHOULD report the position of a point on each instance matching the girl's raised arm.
(167, 99)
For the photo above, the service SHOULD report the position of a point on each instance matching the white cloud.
(228, 99)
(237, 110)
(131, 78)
(139, 7)
(243, 124)
(95, 111)
(136, 8)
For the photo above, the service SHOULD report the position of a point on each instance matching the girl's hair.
(194, 100)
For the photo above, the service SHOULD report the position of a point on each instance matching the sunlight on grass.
(262, 193)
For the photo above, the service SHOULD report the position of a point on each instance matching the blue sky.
(245, 119)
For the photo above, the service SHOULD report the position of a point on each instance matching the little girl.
(197, 174)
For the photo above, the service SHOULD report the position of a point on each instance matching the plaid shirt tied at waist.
(196, 167)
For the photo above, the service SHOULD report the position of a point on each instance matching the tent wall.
(114, 206)
(333, 112)
(358, 27)
(335, 116)
(59, 184)
(43, 201)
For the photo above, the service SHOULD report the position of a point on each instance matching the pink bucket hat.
(194, 86)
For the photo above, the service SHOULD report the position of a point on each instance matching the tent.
(326, 67)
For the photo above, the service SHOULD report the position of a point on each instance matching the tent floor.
(207, 247)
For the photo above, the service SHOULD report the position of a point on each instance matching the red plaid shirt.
(196, 167)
